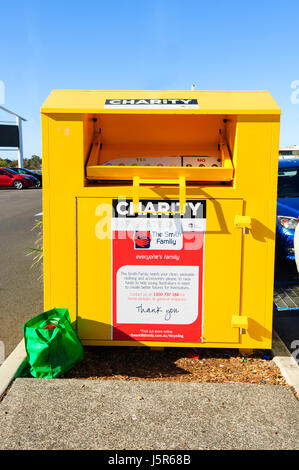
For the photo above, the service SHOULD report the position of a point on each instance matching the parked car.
(296, 246)
(287, 209)
(11, 178)
(25, 171)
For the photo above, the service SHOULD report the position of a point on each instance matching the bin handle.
(181, 181)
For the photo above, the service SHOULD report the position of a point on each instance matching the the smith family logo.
(142, 239)
(146, 103)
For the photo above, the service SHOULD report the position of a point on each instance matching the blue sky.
(73, 44)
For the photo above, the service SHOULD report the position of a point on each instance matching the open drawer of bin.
(187, 140)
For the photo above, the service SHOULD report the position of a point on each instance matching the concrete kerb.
(288, 366)
(12, 366)
(285, 362)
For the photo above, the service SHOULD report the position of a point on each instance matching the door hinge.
(240, 321)
(244, 222)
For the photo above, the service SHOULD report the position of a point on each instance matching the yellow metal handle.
(181, 181)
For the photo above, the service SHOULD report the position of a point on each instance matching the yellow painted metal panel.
(62, 172)
(222, 270)
(94, 268)
(258, 180)
(46, 211)
(210, 102)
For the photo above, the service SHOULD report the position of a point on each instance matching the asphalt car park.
(21, 287)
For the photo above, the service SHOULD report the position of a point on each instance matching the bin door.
(216, 294)
(222, 270)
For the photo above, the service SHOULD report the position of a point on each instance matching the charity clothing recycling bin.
(159, 215)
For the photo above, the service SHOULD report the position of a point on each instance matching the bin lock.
(244, 222)
(181, 181)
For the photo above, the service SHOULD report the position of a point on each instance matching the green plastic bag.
(52, 345)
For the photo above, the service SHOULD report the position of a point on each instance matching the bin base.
(245, 352)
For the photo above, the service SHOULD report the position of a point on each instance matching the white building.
(12, 140)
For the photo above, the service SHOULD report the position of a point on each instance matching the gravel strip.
(177, 364)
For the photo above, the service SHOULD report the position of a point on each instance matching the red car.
(11, 178)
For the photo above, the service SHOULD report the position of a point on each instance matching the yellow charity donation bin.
(159, 215)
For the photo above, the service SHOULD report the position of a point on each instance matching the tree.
(5, 162)
(33, 163)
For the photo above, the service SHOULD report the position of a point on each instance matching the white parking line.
(40, 213)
